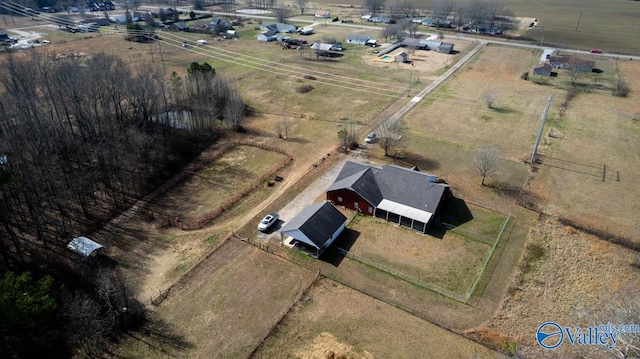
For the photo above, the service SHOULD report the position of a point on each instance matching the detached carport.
(315, 228)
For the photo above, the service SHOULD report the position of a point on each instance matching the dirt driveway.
(305, 198)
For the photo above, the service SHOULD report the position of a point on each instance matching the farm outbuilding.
(315, 228)
(542, 69)
(84, 246)
(397, 194)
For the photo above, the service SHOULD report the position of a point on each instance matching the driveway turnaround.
(305, 198)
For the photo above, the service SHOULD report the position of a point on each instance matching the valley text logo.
(551, 335)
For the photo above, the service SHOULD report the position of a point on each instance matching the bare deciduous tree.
(486, 161)
(391, 137)
(302, 5)
(490, 98)
(441, 9)
(282, 128)
(282, 14)
(622, 310)
(374, 7)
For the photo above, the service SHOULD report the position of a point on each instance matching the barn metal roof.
(83, 246)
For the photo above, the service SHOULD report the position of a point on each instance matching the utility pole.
(541, 35)
(542, 121)
(579, 18)
(409, 90)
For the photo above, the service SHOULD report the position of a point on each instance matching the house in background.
(315, 228)
(323, 14)
(361, 40)
(400, 195)
(571, 63)
(277, 27)
(219, 25)
(179, 26)
(542, 69)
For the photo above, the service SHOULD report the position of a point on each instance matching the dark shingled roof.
(318, 222)
(398, 184)
(411, 188)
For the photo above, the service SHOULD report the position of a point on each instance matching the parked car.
(595, 51)
(268, 221)
(371, 138)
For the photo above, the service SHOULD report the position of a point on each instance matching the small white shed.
(84, 246)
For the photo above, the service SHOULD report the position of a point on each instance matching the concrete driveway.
(305, 198)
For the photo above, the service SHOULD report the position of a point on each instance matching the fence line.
(405, 277)
(486, 262)
(200, 164)
(284, 314)
(163, 294)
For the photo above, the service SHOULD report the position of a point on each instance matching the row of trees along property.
(489, 15)
(81, 139)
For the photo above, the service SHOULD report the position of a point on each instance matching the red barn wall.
(349, 200)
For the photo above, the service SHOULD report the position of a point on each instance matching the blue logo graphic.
(550, 335)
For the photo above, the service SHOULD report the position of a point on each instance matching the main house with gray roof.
(401, 195)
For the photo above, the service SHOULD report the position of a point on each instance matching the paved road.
(305, 198)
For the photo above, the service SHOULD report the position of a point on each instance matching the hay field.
(225, 307)
(456, 111)
(601, 133)
(340, 320)
(570, 272)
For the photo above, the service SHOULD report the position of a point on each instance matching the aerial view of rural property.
(333, 179)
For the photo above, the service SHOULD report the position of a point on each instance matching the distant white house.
(361, 40)
(323, 14)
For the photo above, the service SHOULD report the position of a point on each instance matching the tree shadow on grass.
(422, 163)
(159, 336)
(504, 110)
(336, 253)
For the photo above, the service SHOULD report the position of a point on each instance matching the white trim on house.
(405, 211)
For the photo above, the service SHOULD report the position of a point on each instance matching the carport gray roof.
(318, 222)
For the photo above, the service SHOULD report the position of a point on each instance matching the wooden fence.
(204, 160)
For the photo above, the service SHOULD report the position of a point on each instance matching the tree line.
(81, 139)
(490, 16)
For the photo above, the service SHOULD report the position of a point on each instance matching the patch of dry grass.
(329, 322)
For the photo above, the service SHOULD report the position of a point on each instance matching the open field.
(591, 174)
(452, 263)
(213, 310)
(456, 111)
(225, 308)
(216, 183)
(565, 272)
(609, 25)
(328, 322)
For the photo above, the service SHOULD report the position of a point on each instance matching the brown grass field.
(213, 311)
(224, 308)
(349, 324)
(571, 271)
(452, 263)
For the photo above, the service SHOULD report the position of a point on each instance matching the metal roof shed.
(84, 246)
